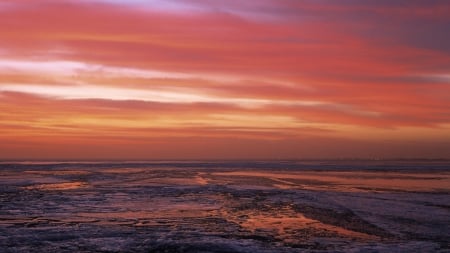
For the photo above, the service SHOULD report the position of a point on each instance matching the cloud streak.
(287, 71)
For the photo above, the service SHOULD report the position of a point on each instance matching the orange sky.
(204, 79)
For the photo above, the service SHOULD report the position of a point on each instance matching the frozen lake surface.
(276, 206)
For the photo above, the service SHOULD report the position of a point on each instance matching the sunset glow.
(203, 79)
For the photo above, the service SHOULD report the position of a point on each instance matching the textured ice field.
(314, 206)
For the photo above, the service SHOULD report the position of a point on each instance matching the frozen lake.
(277, 206)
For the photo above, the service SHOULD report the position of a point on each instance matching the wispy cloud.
(267, 71)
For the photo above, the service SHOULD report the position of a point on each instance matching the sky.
(206, 79)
